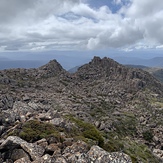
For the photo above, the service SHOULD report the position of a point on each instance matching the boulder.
(51, 148)
(98, 155)
(13, 143)
(58, 122)
(23, 160)
(78, 146)
(79, 158)
(158, 153)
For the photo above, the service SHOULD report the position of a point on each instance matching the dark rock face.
(49, 115)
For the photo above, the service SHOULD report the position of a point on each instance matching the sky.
(108, 26)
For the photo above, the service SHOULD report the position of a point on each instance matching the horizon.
(6, 63)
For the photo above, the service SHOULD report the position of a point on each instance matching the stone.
(97, 124)
(26, 98)
(23, 160)
(158, 153)
(60, 160)
(156, 139)
(78, 158)
(57, 122)
(14, 142)
(45, 117)
(43, 143)
(1, 129)
(47, 158)
(78, 146)
(98, 155)
(102, 125)
(52, 148)
(18, 154)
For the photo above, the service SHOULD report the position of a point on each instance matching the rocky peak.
(50, 69)
(97, 65)
(53, 65)
(101, 64)
(105, 62)
(117, 75)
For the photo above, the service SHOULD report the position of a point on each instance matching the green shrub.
(34, 130)
(87, 130)
(148, 135)
(126, 126)
(138, 152)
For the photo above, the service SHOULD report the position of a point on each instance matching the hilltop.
(103, 108)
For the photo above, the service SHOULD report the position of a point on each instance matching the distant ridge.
(9, 64)
(153, 62)
(74, 69)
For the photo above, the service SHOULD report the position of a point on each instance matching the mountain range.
(153, 62)
(104, 112)
(69, 62)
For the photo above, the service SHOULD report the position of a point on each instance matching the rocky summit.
(104, 112)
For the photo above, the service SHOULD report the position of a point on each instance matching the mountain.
(74, 69)
(156, 72)
(153, 62)
(103, 111)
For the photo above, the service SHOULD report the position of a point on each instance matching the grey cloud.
(148, 14)
(49, 24)
(9, 10)
(143, 8)
(116, 38)
(25, 10)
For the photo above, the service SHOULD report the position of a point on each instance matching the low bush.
(148, 135)
(87, 130)
(34, 130)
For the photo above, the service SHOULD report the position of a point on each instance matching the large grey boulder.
(98, 155)
(78, 146)
(13, 143)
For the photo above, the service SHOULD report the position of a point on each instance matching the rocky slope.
(105, 112)
(155, 71)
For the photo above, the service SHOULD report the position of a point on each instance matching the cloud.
(148, 14)
(117, 2)
(74, 24)
(123, 34)
(140, 21)
(141, 9)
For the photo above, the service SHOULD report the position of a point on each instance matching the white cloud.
(144, 8)
(122, 34)
(73, 24)
(117, 2)
(159, 47)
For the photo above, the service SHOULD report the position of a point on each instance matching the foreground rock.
(98, 155)
(16, 150)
